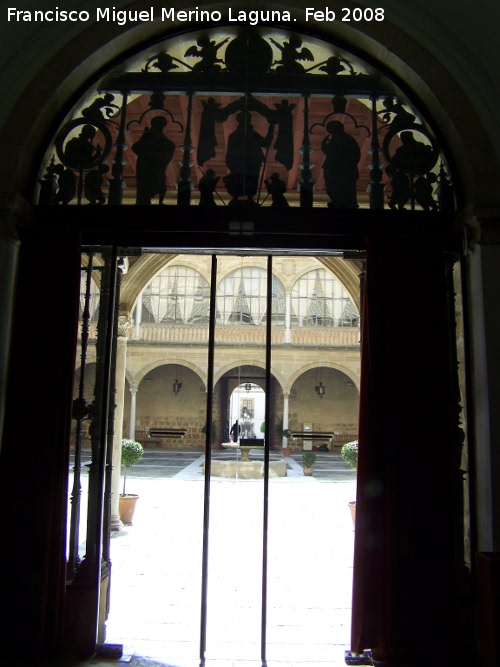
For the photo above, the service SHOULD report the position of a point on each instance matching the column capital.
(480, 224)
(125, 323)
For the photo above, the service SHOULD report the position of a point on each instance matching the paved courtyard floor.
(157, 564)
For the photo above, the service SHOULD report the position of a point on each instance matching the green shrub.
(308, 459)
(131, 453)
(349, 453)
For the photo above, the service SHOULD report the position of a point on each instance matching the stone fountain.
(242, 466)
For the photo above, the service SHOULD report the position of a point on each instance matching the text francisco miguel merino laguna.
(121, 17)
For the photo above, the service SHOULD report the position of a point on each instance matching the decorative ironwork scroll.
(253, 109)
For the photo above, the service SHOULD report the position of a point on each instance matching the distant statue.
(66, 185)
(80, 152)
(207, 184)
(207, 51)
(154, 152)
(276, 188)
(244, 158)
(340, 167)
(93, 185)
(290, 55)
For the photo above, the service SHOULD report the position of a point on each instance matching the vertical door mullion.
(80, 412)
(208, 460)
(267, 442)
(89, 573)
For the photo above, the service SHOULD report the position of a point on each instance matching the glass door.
(233, 554)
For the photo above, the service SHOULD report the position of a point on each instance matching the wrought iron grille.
(246, 120)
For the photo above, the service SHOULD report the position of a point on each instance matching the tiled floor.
(156, 576)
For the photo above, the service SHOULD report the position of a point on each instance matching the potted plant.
(287, 434)
(308, 460)
(349, 453)
(132, 451)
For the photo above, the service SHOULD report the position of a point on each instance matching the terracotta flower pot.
(287, 451)
(126, 507)
(308, 471)
(352, 507)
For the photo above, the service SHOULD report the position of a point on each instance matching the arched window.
(241, 298)
(319, 299)
(177, 295)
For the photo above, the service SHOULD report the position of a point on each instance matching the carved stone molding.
(15, 212)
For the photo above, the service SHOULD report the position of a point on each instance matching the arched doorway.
(240, 228)
(367, 119)
(248, 408)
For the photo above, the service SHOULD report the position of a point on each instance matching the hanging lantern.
(320, 389)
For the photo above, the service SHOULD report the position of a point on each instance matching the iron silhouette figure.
(80, 152)
(164, 62)
(207, 184)
(94, 181)
(284, 140)
(424, 192)
(340, 167)
(412, 157)
(211, 114)
(276, 189)
(244, 158)
(402, 118)
(290, 55)
(207, 51)
(66, 185)
(333, 66)
(401, 188)
(101, 108)
(154, 152)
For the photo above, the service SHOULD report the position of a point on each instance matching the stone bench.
(309, 436)
(155, 433)
(313, 435)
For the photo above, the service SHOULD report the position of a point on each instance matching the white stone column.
(133, 411)
(138, 318)
(286, 399)
(124, 323)
(483, 260)
(12, 212)
(288, 317)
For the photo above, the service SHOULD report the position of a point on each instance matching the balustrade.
(242, 335)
